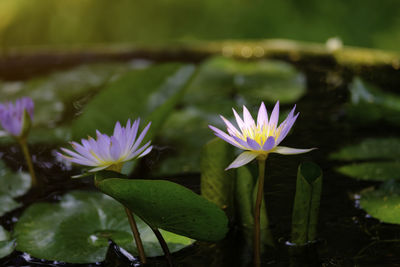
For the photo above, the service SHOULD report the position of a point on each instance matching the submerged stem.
(164, 246)
(257, 209)
(24, 146)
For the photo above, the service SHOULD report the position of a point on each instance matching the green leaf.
(169, 206)
(77, 230)
(369, 103)
(370, 148)
(306, 203)
(381, 205)
(6, 243)
(137, 93)
(217, 185)
(12, 185)
(372, 171)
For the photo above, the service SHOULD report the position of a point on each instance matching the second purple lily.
(258, 139)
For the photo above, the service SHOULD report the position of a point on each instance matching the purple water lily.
(12, 116)
(258, 139)
(106, 152)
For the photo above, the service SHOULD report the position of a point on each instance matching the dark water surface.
(347, 235)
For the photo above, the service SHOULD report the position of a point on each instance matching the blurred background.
(366, 23)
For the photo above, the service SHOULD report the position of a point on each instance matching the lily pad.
(12, 185)
(166, 205)
(370, 103)
(382, 205)
(6, 243)
(137, 93)
(371, 148)
(382, 154)
(372, 171)
(223, 81)
(77, 230)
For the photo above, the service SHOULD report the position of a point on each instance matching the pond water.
(347, 235)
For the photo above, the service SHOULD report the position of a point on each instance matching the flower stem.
(257, 208)
(164, 246)
(132, 222)
(136, 235)
(24, 146)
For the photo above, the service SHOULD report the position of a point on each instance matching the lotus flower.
(106, 151)
(13, 117)
(258, 139)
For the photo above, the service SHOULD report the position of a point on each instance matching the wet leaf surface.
(166, 205)
(77, 230)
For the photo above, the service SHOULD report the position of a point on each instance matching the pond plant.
(16, 118)
(258, 140)
(111, 153)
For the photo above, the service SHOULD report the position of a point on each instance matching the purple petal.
(290, 151)
(239, 121)
(253, 144)
(224, 136)
(287, 125)
(269, 143)
(141, 136)
(147, 151)
(273, 121)
(230, 126)
(242, 159)
(248, 119)
(115, 149)
(244, 144)
(262, 117)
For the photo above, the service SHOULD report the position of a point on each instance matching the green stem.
(132, 222)
(24, 146)
(136, 235)
(164, 246)
(257, 209)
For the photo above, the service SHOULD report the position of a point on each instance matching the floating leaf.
(77, 230)
(369, 103)
(220, 79)
(382, 205)
(217, 185)
(12, 185)
(166, 205)
(306, 203)
(137, 93)
(6, 243)
(370, 148)
(372, 171)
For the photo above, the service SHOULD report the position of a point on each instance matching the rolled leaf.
(217, 185)
(306, 203)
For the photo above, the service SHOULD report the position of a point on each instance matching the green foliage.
(166, 205)
(372, 171)
(12, 185)
(383, 203)
(6, 243)
(220, 84)
(306, 203)
(383, 153)
(370, 148)
(77, 230)
(370, 104)
(137, 93)
(217, 185)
